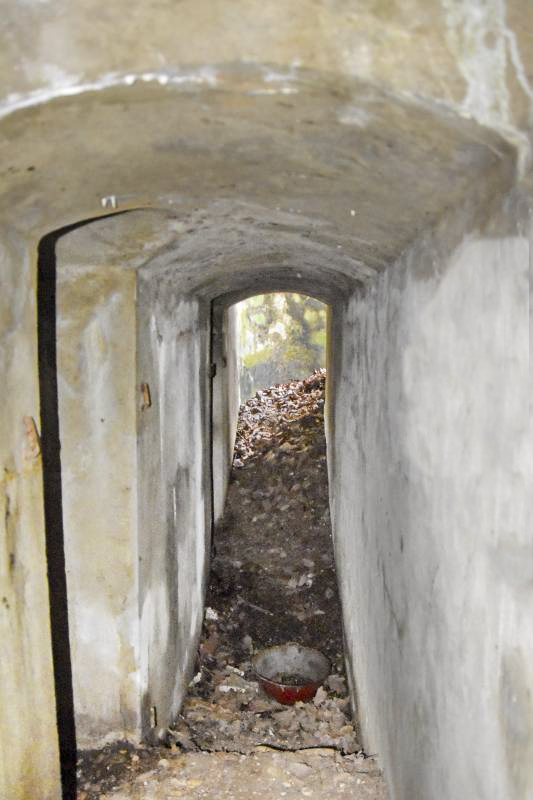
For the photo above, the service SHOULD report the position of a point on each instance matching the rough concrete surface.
(439, 409)
(297, 146)
(97, 408)
(174, 497)
(472, 55)
(26, 681)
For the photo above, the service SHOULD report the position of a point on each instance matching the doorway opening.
(281, 337)
(49, 339)
(273, 579)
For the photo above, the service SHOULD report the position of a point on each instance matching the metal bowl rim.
(264, 678)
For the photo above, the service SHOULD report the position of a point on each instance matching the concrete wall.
(29, 747)
(136, 484)
(174, 493)
(432, 516)
(97, 410)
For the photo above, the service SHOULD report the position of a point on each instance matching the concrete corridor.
(161, 163)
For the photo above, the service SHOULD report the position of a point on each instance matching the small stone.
(197, 678)
(346, 730)
(336, 684)
(320, 697)
(299, 769)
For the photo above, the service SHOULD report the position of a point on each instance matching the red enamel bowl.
(310, 666)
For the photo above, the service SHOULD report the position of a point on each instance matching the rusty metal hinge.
(146, 395)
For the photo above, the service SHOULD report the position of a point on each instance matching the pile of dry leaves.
(262, 420)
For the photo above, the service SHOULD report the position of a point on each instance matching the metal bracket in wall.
(32, 443)
(153, 717)
(146, 396)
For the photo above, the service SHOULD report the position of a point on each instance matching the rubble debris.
(273, 581)
(100, 771)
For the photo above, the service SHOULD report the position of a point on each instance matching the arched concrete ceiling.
(340, 167)
(473, 55)
(243, 250)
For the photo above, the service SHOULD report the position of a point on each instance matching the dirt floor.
(272, 581)
(315, 774)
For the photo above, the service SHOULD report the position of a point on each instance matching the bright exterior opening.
(282, 336)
